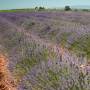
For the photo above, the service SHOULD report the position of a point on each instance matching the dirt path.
(6, 80)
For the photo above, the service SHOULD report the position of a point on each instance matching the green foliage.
(67, 8)
(83, 45)
(24, 66)
(87, 10)
(41, 8)
(64, 38)
(36, 8)
(54, 77)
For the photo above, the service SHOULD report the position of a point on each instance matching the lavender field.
(47, 50)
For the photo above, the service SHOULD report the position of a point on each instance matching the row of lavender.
(70, 29)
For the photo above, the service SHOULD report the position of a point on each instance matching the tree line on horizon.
(66, 8)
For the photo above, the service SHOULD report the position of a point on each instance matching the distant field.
(45, 9)
(47, 50)
(17, 10)
(68, 28)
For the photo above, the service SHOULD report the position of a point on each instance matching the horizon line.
(61, 7)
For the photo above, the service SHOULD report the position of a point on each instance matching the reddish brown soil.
(6, 80)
